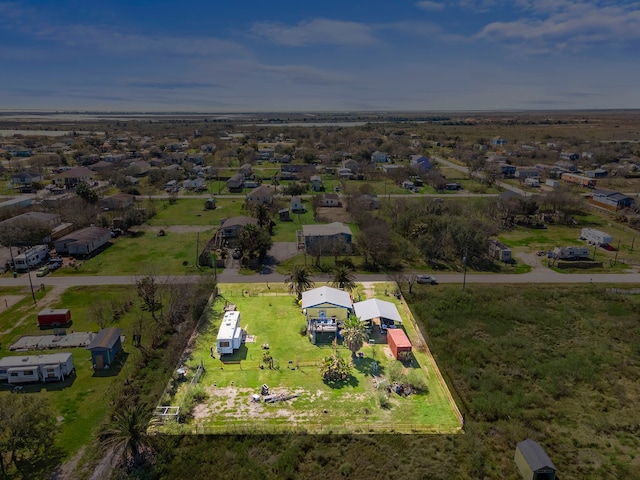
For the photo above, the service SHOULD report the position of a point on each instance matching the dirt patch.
(333, 214)
(8, 301)
(172, 228)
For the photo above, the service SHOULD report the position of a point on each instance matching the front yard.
(271, 317)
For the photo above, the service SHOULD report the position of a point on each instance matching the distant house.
(246, 169)
(420, 162)
(329, 200)
(102, 166)
(380, 157)
(296, 205)
(327, 237)
(351, 164)
(345, 173)
(49, 219)
(566, 166)
(597, 173)
(316, 183)
(234, 184)
(195, 158)
(72, 177)
(611, 200)
(452, 186)
(105, 347)
(570, 156)
(498, 141)
(197, 183)
(140, 168)
(367, 201)
(83, 242)
(26, 178)
(118, 201)
(261, 195)
(533, 462)
(525, 172)
(231, 227)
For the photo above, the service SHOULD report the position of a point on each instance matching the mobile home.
(595, 237)
(36, 368)
(230, 333)
(31, 258)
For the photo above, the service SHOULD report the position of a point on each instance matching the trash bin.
(15, 274)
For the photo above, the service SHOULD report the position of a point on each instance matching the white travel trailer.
(31, 258)
(595, 237)
(36, 368)
(230, 333)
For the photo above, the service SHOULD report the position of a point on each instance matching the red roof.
(399, 337)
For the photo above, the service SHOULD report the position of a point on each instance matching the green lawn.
(173, 254)
(273, 317)
(81, 402)
(191, 211)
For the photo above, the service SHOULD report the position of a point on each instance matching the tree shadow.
(366, 366)
(41, 463)
(352, 381)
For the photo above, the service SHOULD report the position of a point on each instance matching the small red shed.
(398, 341)
(54, 317)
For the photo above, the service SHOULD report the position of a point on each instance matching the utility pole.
(615, 259)
(464, 277)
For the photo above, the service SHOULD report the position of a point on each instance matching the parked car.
(428, 279)
(52, 266)
(236, 254)
(42, 271)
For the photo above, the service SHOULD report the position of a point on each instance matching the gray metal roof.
(320, 295)
(374, 308)
(34, 360)
(106, 338)
(324, 230)
(535, 455)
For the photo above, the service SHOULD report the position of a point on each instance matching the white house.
(325, 308)
(230, 333)
(380, 157)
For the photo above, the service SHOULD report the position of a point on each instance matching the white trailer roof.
(230, 324)
(374, 308)
(33, 360)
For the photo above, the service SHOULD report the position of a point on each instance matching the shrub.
(383, 400)
(395, 372)
(416, 381)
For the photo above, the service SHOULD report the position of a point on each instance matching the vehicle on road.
(426, 279)
(42, 271)
(236, 254)
(52, 266)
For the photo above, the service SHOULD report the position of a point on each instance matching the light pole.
(464, 277)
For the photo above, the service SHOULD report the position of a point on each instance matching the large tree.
(298, 280)
(354, 334)
(343, 278)
(24, 232)
(254, 241)
(127, 432)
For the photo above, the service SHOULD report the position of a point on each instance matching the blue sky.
(306, 55)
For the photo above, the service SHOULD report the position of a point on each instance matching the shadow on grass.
(366, 366)
(235, 357)
(114, 368)
(38, 387)
(349, 382)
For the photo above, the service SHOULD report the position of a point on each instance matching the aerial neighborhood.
(467, 279)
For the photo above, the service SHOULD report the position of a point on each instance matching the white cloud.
(316, 31)
(429, 5)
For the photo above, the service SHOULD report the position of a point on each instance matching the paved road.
(231, 276)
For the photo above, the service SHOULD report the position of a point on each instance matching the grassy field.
(191, 211)
(81, 402)
(273, 317)
(173, 254)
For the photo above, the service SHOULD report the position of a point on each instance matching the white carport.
(374, 308)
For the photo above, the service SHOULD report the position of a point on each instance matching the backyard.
(272, 318)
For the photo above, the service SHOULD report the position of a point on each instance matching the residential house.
(230, 227)
(499, 141)
(72, 177)
(527, 172)
(316, 183)
(452, 186)
(83, 242)
(566, 166)
(102, 167)
(208, 148)
(197, 183)
(351, 164)
(195, 158)
(234, 184)
(246, 170)
(420, 162)
(118, 201)
(261, 195)
(569, 156)
(139, 168)
(380, 157)
(611, 200)
(329, 200)
(345, 173)
(367, 201)
(325, 308)
(25, 179)
(327, 238)
(597, 173)
(533, 462)
(296, 205)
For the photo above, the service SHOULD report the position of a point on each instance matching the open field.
(274, 318)
(191, 211)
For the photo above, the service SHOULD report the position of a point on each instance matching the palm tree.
(128, 431)
(354, 334)
(263, 214)
(343, 278)
(298, 280)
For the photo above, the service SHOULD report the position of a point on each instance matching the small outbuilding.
(54, 317)
(105, 347)
(533, 462)
(398, 342)
(83, 242)
(370, 309)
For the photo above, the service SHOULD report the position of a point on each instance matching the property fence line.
(323, 429)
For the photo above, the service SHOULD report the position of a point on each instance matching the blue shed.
(105, 347)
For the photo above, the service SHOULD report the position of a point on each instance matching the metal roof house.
(327, 237)
(104, 347)
(83, 242)
(36, 368)
(374, 308)
(611, 200)
(533, 462)
(325, 308)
